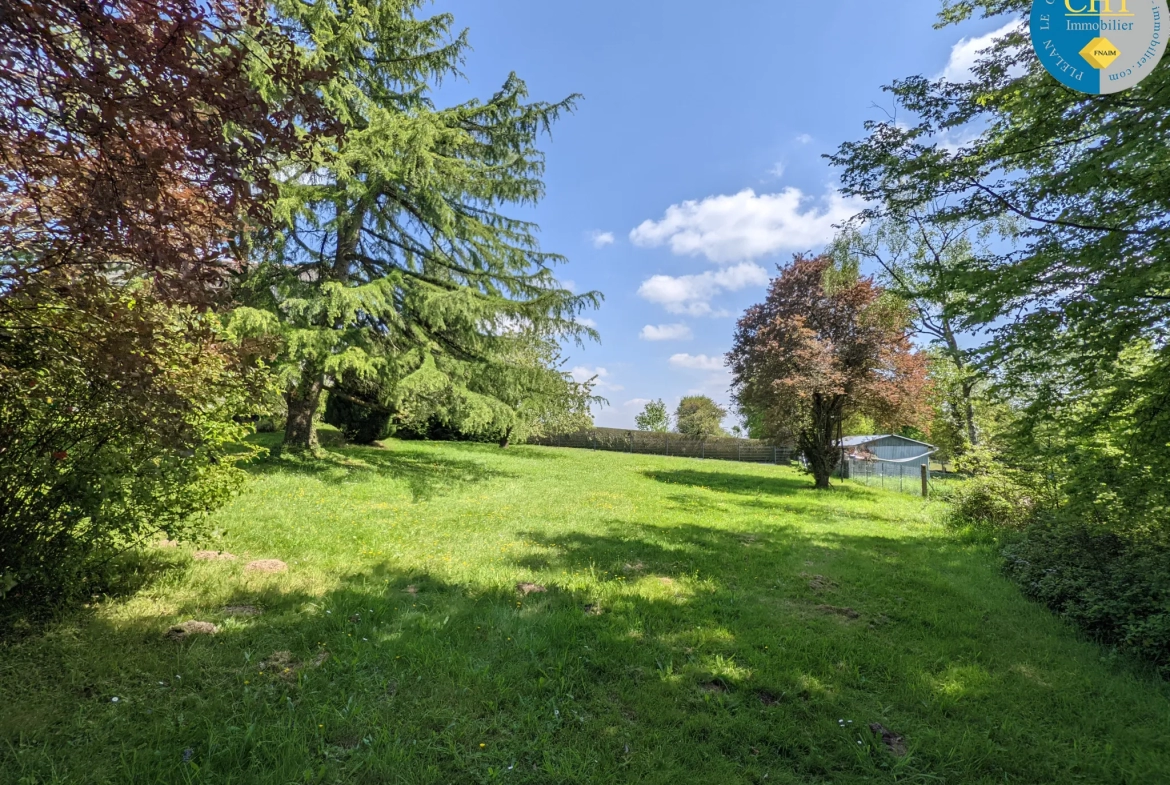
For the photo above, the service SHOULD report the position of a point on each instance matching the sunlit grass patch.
(458, 613)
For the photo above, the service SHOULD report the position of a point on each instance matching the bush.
(1113, 586)
(992, 501)
(116, 426)
(353, 406)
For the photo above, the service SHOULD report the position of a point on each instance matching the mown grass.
(702, 622)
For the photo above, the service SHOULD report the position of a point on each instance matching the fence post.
(925, 479)
(631, 441)
(739, 451)
(775, 458)
(703, 450)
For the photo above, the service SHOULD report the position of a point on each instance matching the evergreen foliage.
(518, 394)
(354, 407)
(393, 261)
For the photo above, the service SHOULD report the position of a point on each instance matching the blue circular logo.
(1099, 46)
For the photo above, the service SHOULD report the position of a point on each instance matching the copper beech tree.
(139, 135)
(825, 344)
(138, 140)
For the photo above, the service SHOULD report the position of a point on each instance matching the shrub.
(992, 501)
(116, 426)
(1113, 586)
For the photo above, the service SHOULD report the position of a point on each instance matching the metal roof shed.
(895, 454)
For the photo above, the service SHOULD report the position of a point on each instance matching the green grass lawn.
(701, 622)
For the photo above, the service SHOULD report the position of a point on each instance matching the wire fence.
(916, 478)
(671, 444)
(891, 475)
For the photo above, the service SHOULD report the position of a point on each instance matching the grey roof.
(857, 441)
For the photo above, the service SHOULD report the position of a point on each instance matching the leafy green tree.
(116, 427)
(921, 258)
(1084, 176)
(1078, 304)
(137, 138)
(699, 417)
(394, 261)
(654, 417)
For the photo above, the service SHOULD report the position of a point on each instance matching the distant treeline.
(658, 443)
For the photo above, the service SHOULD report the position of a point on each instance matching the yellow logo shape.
(1100, 52)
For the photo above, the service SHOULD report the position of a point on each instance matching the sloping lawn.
(678, 621)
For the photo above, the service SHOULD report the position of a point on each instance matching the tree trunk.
(969, 415)
(300, 434)
(966, 386)
(505, 440)
(816, 442)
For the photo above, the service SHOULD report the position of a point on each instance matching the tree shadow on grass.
(426, 473)
(525, 451)
(706, 656)
(744, 484)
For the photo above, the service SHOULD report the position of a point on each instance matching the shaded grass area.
(676, 621)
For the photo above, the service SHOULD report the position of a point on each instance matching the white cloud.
(697, 362)
(745, 225)
(600, 376)
(965, 53)
(804, 139)
(777, 170)
(666, 332)
(952, 140)
(585, 322)
(570, 285)
(601, 239)
(637, 402)
(691, 294)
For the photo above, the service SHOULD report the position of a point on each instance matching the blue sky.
(693, 165)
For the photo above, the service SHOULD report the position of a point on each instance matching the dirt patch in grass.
(212, 556)
(714, 686)
(530, 588)
(847, 613)
(894, 742)
(242, 610)
(593, 609)
(412, 590)
(346, 740)
(285, 666)
(769, 698)
(188, 628)
(282, 664)
(266, 565)
(819, 583)
(635, 567)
